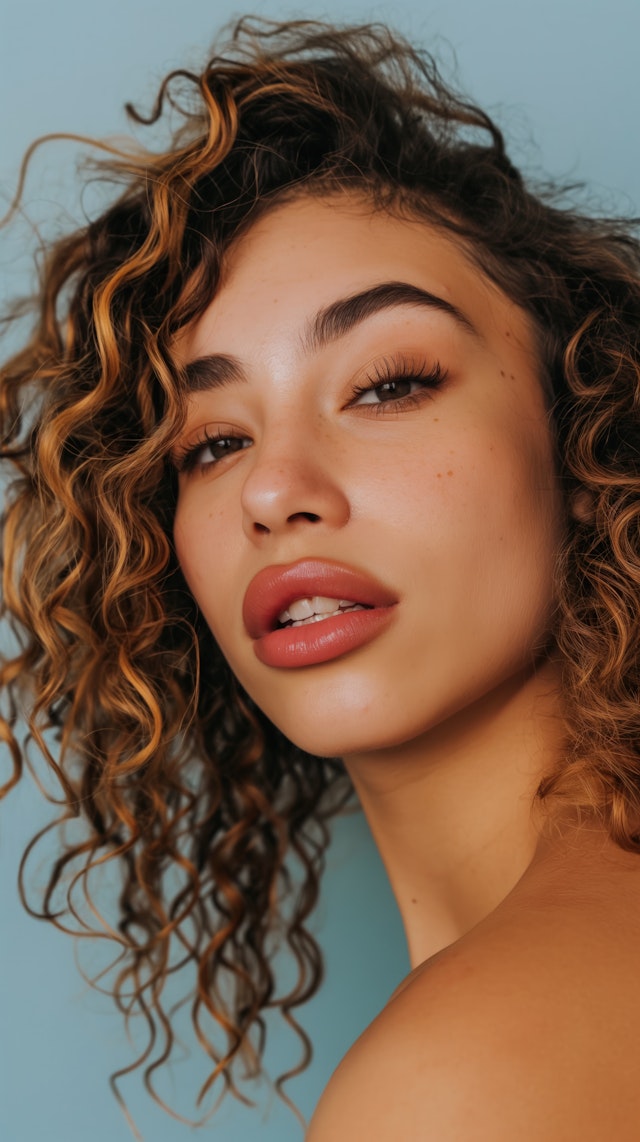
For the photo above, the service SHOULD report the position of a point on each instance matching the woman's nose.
(292, 483)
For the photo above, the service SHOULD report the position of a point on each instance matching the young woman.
(327, 479)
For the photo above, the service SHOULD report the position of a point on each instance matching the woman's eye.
(390, 390)
(210, 451)
(398, 388)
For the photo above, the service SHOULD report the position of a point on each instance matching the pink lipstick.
(317, 639)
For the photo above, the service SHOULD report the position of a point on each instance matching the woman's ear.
(582, 505)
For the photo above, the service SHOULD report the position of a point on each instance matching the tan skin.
(514, 1022)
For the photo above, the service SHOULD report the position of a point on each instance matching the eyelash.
(390, 371)
(386, 372)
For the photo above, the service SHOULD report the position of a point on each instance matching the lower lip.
(313, 643)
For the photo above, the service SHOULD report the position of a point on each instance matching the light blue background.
(562, 78)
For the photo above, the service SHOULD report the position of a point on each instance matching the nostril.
(311, 516)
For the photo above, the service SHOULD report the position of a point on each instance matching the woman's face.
(384, 445)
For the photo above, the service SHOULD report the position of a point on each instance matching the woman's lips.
(275, 588)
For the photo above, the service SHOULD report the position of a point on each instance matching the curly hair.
(179, 780)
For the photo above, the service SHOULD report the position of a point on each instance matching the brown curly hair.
(182, 784)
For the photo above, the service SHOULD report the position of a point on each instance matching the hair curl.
(181, 782)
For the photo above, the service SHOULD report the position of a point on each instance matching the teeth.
(322, 606)
(315, 608)
(301, 609)
(321, 618)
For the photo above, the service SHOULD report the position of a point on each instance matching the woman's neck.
(451, 812)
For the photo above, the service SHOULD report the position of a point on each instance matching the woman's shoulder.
(526, 1028)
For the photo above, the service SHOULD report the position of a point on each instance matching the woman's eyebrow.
(212, 372)
(338, 318)
(329, 324)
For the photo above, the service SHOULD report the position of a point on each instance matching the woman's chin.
(347, 741)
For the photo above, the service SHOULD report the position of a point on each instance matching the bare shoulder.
(525, 1029)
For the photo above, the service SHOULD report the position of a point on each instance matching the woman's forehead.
(309, 252)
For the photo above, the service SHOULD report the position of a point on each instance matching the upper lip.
(274, 588)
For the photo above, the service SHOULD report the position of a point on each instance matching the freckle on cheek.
(449, 473)
(439, 475)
